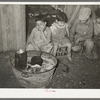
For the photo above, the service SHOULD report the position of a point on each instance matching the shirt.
(40, 37)
(58, 32)
(84, 30)
(96, 28)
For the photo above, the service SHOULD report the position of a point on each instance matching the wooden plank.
(69, 11)
(71, 21)
(3, 23)
(23, 24)
(20, 29)
(61, 7)
(6, 21)
(1, 44)
(13, 30)
(55, 6)
(9, 29)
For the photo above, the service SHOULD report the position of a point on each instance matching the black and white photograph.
(50, 46)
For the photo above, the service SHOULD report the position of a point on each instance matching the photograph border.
(49, 93)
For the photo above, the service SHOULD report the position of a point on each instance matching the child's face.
(40, 25)
(98, 20)
(60, 23)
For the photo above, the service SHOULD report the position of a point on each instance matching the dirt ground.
(81, 73)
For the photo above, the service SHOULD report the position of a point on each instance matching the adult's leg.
(96, 49)
(89, 45)
(95, 52)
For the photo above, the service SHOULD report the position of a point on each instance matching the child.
(83, 32)
(60, 34)
(40, 37)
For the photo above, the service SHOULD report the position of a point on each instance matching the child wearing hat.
(83, 32)
(60, 34)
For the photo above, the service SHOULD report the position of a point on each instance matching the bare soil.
(82, 73)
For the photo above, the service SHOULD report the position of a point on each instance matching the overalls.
(59, 34)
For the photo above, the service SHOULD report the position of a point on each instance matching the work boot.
(89, 45)
(95, 55)
(89, 56)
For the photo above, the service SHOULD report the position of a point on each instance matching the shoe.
(76, 48)
(88, 56)
(95, 56)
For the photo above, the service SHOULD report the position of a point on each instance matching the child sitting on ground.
(40, 37)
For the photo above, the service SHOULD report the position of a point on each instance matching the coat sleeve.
(73, 30)
(89, 34)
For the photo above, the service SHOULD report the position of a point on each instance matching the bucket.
(36, 80)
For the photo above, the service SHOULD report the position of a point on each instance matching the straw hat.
(84, 13)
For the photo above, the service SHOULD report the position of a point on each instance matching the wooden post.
(69, 11)
(74, 15)
(65, 8)
(55, 6)
(13, 27)
(1, 45)
(20, 26)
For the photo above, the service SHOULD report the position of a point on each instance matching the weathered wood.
(20, 26)
(65, 8)
(9, 28)
(1, 45)
(3, 23)
(13, 24)
(74, 15)
(69, 11)
(55, 6)
(13, 27)
(61, 7)
(93, 8)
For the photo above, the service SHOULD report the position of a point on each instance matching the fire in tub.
(39, 70)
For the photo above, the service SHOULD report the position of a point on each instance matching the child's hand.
(78, 40)
(60, 45)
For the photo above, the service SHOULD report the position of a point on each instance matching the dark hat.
(36, 60)
(61, 16)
